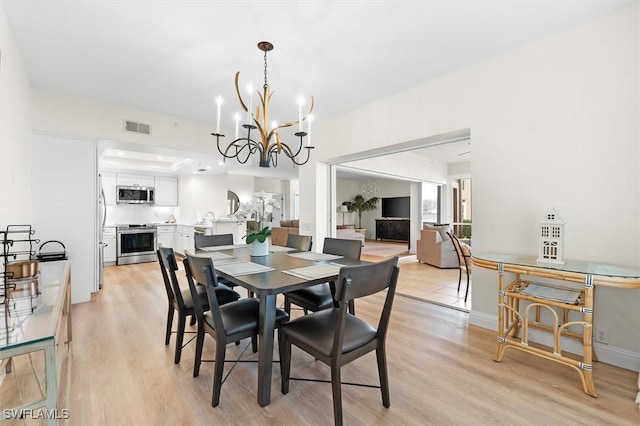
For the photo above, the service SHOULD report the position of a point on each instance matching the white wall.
(68, 115)
(15, 132)
(64, 197)
(554, 123)
(208, 193)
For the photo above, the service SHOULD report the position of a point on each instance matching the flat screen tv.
(396, 207)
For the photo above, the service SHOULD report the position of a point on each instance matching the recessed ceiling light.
(208, 167)
(221, 163)
(120, 153)
(159, 157)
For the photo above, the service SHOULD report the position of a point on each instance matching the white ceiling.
(175, 57)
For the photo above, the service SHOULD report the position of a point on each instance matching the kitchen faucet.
(213, 216)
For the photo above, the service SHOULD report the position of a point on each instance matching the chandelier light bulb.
(250, 91)
(219, 102)
(236, 118)
(309, 120)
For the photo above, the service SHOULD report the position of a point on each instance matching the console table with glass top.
(514, 323)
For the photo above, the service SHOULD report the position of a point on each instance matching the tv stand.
(393, 229)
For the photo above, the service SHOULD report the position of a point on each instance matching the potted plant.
(360, 205)
(259, 239)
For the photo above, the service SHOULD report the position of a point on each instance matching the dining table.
(280, 271)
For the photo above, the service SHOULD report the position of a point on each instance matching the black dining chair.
(336, 337)
(227, 323)
(217, 240)
(464, 261)
(299, 242)
(201, 240)
(320, 296)
(182, 300)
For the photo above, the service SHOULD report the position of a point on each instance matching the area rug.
(385, 249)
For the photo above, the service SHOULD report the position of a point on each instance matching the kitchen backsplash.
(137, 214)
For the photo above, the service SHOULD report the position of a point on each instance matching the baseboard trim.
(607, 354)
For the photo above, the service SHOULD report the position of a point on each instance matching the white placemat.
(216, 256)
(551, 293)
(278, 249)
(217, 248)
(316, 271)
(243, 268)
(309, 255)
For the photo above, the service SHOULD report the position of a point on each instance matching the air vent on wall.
(132, 126)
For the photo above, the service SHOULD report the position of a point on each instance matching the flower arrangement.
(258, 208)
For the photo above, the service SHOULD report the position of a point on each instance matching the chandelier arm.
(313, 101)
(289, 152)
(238, 93)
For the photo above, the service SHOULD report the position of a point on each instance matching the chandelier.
(270, 144)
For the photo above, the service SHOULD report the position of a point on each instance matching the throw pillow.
(442, 229)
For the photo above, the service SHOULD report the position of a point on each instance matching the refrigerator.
(102, 219)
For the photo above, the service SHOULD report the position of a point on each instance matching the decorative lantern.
(551, 233)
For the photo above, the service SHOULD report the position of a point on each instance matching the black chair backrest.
(299, 242)
(364, 280)
(201, 240)
(200, 270)
(462, 259)
(168, 267)
(341, 247)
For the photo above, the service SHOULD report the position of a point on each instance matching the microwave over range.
(135, 195)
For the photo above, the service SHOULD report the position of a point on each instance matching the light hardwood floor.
(441, 373)
(422, 281)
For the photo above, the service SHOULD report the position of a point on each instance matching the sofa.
(436, 248)
(280, 234)
(348, 232)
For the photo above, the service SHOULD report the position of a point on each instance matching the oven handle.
(136, 231)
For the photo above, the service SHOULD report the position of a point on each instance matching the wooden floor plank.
(440, 368)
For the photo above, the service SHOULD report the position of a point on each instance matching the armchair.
(436, 248)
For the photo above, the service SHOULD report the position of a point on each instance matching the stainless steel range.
(136, 243)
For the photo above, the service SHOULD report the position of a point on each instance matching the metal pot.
(22, 268)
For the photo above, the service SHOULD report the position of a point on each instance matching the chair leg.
(459, 277)
(221, 349)
(466, 293)
(352, 307)
(193, 319)
(199, 342)
(337, 394)
(179, 337)
(287, 305)
(284, 348)
(167, 336)
(384, 378)
(254, 343)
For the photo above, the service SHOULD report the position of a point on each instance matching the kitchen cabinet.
(166, 236)
(109, 240)
(184, 238)
(166, 191)
(135, 180)
(108, 181)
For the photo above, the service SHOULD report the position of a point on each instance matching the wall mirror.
(233, 202)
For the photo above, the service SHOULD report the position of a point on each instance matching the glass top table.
(558, 318)
(27, 318)
(606, 275)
